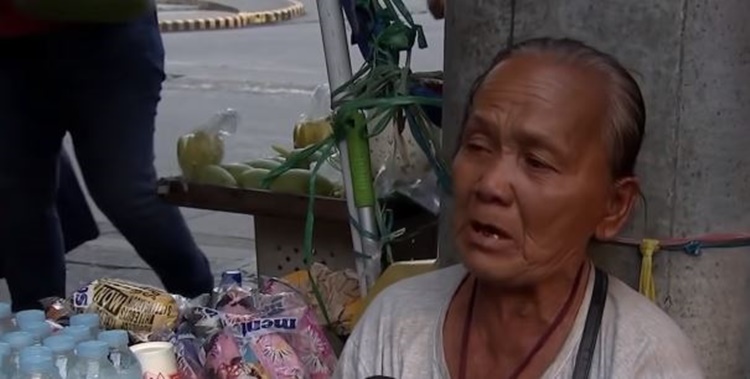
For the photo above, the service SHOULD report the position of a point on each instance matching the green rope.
(377, 96)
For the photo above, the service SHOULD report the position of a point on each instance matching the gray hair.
(627, 111)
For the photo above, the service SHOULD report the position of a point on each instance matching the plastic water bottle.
(92, 362)
(29, 316)
(17, 341)
(90, 320)
(39, 329)
(5, 372)
(6, 318)
(79, 333)
(37, 364)
(124, 361)
(63, 351)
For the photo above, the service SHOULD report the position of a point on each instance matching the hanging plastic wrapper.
(200, 153)
(401, 166)
(315, 126)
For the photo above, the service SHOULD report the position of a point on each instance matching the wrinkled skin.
(533, 162)
(532, 186)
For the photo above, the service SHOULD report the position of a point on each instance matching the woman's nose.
(495, 185)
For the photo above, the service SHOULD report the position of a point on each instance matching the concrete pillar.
(692, 59)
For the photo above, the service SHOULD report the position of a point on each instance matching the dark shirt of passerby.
(100, 83)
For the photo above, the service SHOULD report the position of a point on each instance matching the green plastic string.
(375, 97)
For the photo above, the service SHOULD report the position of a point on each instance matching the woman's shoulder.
(425, 292)
(646, 337)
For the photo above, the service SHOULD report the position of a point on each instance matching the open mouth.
(489, 231)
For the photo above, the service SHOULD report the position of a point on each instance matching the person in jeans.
(101, 83)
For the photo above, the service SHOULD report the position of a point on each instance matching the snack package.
(191, 358)
(339, 290)
(224, 360)
(125, 305)
(282, 332)
(201, 152)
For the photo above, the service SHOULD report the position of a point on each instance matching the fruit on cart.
(252, 178)
(297, 181)
(310, 132)
(214, 175)
(265, 163)
(236, 169)
(198, 149)
(303, 163)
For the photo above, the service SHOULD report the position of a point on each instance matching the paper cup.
(157, 359)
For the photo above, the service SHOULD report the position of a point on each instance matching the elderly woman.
(544, 166)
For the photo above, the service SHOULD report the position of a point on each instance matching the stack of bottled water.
(31, 349)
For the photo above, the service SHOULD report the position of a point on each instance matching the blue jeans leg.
(31, 246)
(114, 80)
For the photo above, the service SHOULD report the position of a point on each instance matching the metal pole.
(339, 67)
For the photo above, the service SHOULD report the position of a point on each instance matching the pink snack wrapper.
(310, 341)
(224, 360)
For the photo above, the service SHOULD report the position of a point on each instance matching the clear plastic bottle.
(90, 320)
(125, 362)
(92, 362)
(79, 333)
(39, 329)
(29, 316)
(6, 319)
(63, 351)
(5, 372)
(37, 366)
(17, 341)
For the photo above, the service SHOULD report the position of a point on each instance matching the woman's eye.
(536, 163)
(476, 145)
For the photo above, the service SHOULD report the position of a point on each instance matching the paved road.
(267, 73)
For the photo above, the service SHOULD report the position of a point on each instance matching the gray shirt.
(400, 335)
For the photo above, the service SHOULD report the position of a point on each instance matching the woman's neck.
(523, 313)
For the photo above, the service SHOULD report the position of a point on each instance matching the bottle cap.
(115, 338)
(29, 316)
(85, 319)
(60, 343)
(19, 340)
(92, 349)
(40, 329)
(79, 333)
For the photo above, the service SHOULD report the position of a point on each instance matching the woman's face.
(532, 179)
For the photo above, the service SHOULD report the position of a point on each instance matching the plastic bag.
(339, 291)
(201, 152)
(315, 125)
(121, 304)
(278, 335)
(400, 165)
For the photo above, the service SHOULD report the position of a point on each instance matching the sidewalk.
(190, 15)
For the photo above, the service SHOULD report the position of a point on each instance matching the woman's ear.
(622, 201)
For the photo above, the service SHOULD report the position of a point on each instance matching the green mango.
(252, 178)
(268, 164)
(236, 169)
(198, 149)
(297, 181)
(214, 175)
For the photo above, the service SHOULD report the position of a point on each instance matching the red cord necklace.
(466, 336)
